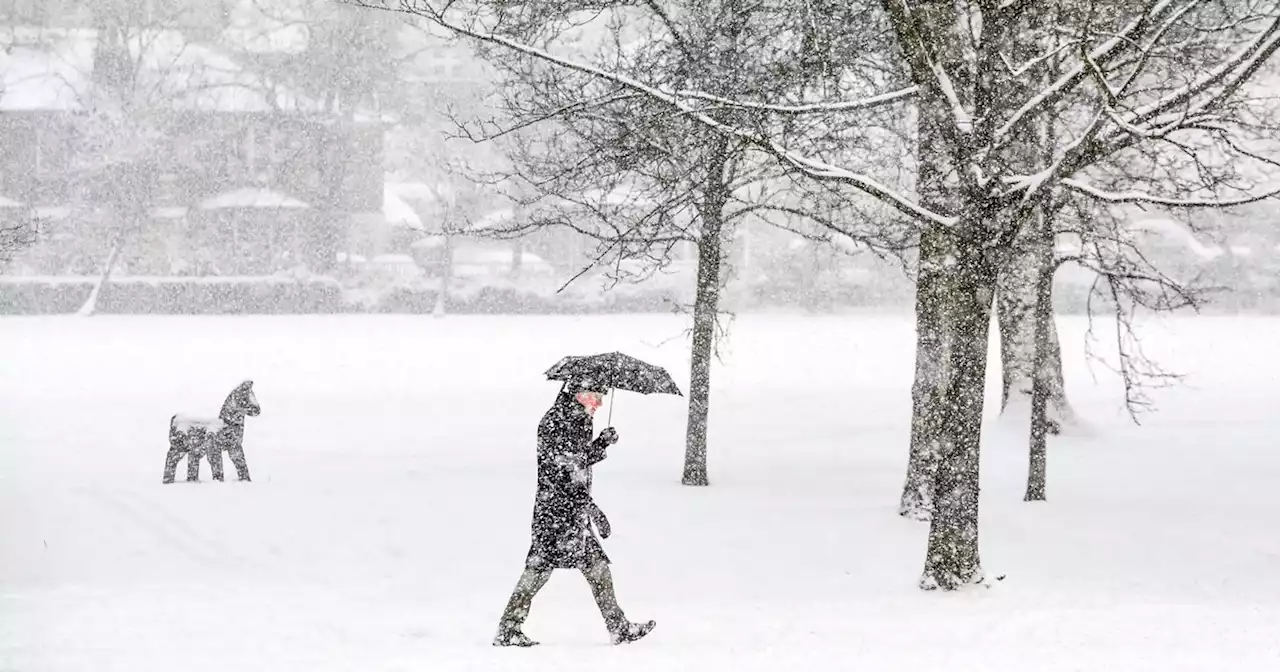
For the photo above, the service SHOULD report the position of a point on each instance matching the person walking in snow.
(563, 516)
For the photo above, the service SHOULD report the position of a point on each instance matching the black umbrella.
(617, 371)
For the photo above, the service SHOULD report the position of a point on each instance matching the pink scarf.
(590, 401)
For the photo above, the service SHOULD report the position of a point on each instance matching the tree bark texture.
(936, 251)
(1017, 308)
(952, 559)
(1048, 395)
(704, 334)
(1042, 386)
(1041, 390)
(706, 307)
(931, 367)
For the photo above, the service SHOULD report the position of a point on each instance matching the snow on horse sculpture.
(208, 437)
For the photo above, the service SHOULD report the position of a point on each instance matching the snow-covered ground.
(393, 465)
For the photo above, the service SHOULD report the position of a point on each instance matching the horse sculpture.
(208, 437)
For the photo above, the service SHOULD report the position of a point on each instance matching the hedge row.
(194, 296)
(212, 296)
(170, 296)
(510, 301)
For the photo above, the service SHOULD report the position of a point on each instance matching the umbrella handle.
(609, 423)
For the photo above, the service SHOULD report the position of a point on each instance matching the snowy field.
(393, 478)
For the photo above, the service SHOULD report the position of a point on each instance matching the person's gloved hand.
(608, 437)
(601, 522)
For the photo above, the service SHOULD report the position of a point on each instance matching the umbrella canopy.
(616, 371)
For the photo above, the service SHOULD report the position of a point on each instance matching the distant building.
(200, 158)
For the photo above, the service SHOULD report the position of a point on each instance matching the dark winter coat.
(563, 511)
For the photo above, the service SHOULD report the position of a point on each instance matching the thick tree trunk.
(952, 559)
(930, 382)
(90, 306)
(706, 308)
(937, 249)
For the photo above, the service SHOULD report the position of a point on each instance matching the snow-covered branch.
(867, 103)
(919, 50)
(1134, 196)
(1245, 62)
(1068, 81)
(811, 167)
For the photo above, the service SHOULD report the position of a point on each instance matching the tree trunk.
(706, 308)
(952, 559)
(1018, 299)
(446, 274)
(517, 258)
(90, 306)
(930, 381)
(332, 209)
(1042, 382)
(932, 346)
(1040, 392)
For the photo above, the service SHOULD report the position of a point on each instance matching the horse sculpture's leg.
(237, 458)
(193, 465)
(215, 461)
(171, 463)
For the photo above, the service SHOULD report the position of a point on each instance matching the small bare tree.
(16, 230)
(335, 66)
(122, 123)
(622, 171)
(16, 233)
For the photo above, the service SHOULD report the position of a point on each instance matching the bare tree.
(1112, 51)
(336, 67)
(138, 64)
(422, 147)
(1127, 283)
(458, 200)
(16, 230)
(623, 171)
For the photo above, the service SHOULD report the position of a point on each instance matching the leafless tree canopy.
(1147, 86)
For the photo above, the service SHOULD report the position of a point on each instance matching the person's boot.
(628, 632)
(511, 636)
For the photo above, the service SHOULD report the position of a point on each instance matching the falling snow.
(814, 280)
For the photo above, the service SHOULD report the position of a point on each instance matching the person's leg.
(601, 581)
(600, 578)
(513, 617)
